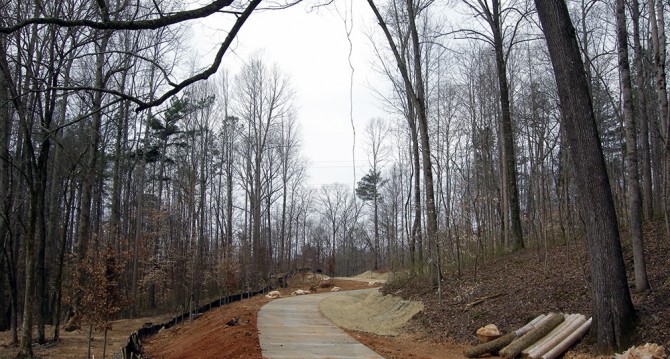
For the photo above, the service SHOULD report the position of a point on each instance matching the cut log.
(568, 319)
(495, 345)
(514, 348)
(556, 338)
(569, 341)
(490, 347)
(530, 325)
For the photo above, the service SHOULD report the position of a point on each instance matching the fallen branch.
(482, 300)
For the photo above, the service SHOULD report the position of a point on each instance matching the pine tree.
(368, 189)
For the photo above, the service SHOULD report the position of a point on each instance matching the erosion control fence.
(133, 348)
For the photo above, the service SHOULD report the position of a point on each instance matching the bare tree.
(414, 88)
(503, 37)
(335, 201)
(263, 100)
(105, 22)
(369, 188)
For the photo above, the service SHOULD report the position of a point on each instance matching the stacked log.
(569, 341)
(545, 337)
(535, 334)
(556, 336)
(495, 345)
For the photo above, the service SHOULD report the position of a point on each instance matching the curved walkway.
(293, 327)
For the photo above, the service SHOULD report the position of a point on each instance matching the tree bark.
(634, 194)
(657, 22)
(611, 303)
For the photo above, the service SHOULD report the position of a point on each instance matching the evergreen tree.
(368, 189)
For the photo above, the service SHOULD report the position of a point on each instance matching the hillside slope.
(512, 289)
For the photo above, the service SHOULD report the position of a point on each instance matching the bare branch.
(150, 24)
(215, 65)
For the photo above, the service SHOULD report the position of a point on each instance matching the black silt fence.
(133, 348)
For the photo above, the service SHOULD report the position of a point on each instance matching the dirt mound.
(209, 336)
(383, 275)
(370, 312)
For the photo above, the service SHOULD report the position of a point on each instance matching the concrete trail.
(293, 327)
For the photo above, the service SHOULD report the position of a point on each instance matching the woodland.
(133, 182)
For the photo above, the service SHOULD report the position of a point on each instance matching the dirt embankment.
(378, 321)
(370, 312)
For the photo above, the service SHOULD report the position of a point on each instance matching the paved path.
(294, 328)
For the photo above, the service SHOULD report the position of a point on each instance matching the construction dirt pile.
(370, 311)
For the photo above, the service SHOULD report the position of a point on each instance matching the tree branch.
(215, 65)
(150, 24)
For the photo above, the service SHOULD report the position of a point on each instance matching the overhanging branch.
(150, 24)
(215, 65)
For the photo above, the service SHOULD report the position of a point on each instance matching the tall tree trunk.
(419, 100)
(657, 21)
(229, 199)
(35, 175)
(612, 306)
(26, 349)
(647, 203)
(42, 294)
(634, 195)
(660, 56)
(416, 234)
(6, 124)
(508, 153)
(67, 202)
(119, 155)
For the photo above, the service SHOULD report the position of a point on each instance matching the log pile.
(545, 337)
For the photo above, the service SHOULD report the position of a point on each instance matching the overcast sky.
(312, 48)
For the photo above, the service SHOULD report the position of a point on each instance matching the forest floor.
(74, 344)
(508, 291)
(511, 290)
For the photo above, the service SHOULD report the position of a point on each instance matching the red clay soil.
(209, 337)
(409, 345)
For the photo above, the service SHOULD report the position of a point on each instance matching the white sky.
(312, 48)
